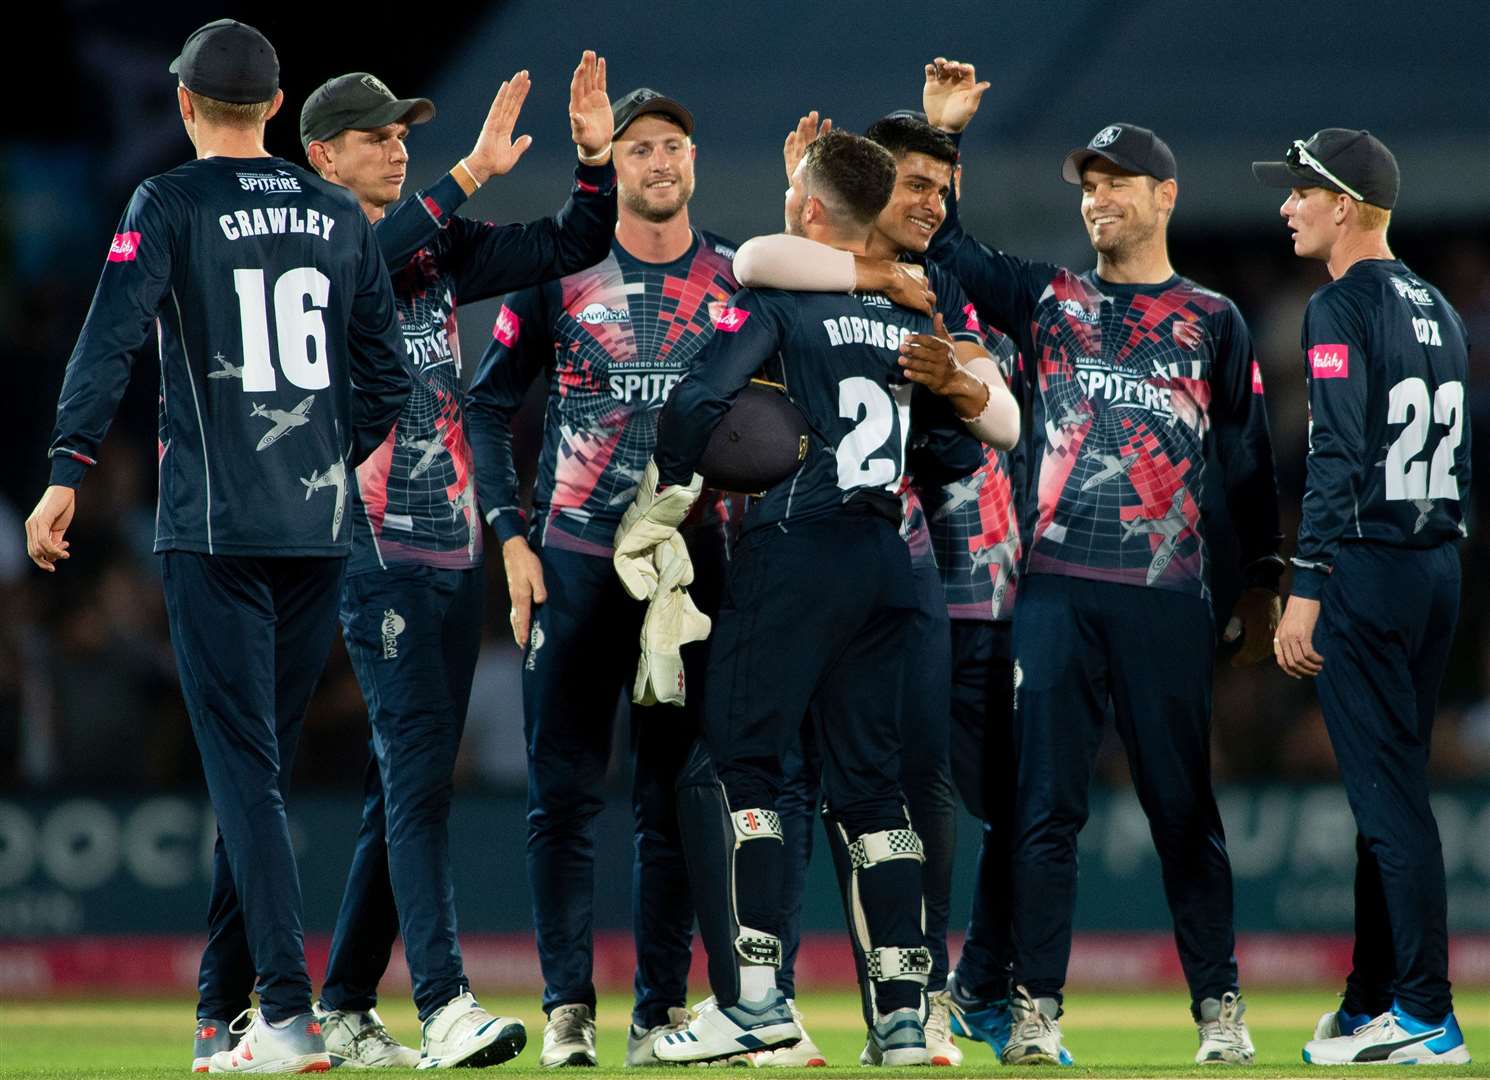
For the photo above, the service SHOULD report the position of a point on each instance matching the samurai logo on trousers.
(1171, 526)
(333, 476)
(284, 422)
(393, 625)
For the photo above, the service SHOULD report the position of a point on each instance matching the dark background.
(88, 700)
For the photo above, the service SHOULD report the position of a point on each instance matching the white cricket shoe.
(358, 1040)
(463, 1035)
(939, 1042)
(1035, 1037)
(639, 1042)
(897, 1039)
(1223, 1032)
(804, 1055)
(295, 1046)
(715, 1033)
(1393, 1038)
(569, 1038)
(1339, 1022)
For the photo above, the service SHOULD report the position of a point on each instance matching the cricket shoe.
(939, 1042)
(804, 1055)
(639, 1042)
(1223, 1033)
(1339, 1022)
(569, 1038)
(1393, 1038)
(985, 1021)
(715, 1033)
(358, 1040)
(1035, 1033)
(295, 1046)
(212, 1036)
(463, 1035)
(898, 1038)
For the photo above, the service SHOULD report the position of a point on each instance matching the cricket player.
(1134, 373)
(925, 159)
(412, 604)
(1375, 591)
(252, 556)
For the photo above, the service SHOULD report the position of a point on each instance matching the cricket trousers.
(581, 658)
(983, 768)
(1386, 624)
(925, 778)
(251, 637)
(413, 634)
(1080, 645)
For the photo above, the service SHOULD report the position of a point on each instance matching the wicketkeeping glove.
(671, 622)
(650, 520)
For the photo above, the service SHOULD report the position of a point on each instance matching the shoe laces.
(1030, 1023)
(1228, 1026)
(939, 1017)
(374, 1032)
(473, 1015)
(1379, 1028)
(568, 1025)
(247, 1018)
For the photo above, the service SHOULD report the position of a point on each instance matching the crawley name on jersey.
(859, 414)
(1124, 386)
(245, 269)
(416, 497)
(612, 341)
(1387, 362)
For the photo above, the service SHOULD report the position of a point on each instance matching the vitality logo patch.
(1330, 361)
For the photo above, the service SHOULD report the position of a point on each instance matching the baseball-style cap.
(644, 100)
(228, 61)
(1354, 163)
(357, 101)
(1128, 146)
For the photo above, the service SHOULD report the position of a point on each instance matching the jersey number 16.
(301, 330)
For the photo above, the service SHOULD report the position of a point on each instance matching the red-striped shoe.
(294, 1046)
(212, 1036)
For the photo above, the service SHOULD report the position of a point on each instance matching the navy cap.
(1130, 147)
(644, 100)
(356, 101)
(1354, 163)
(228, 61)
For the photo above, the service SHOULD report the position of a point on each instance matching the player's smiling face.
(654, 167)
(918, 202)
(1310, 215)
(1122, 211)
(372, 164)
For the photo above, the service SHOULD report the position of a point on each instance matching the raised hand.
(590, 122)
(951, 94)
(495, 152)
(798, 141)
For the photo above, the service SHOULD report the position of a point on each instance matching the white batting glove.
(649, 521)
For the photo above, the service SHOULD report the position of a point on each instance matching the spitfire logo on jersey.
(1412, 293)
(643, 386)
(596, 314)
(268, 184)
(125, 248)
(1098, 382)
(1330, 361)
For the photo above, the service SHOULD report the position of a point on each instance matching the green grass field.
(1110, 1034)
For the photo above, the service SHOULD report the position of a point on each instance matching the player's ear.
(1165, 193)
(319, 160)
(183, 105)
(279, 99)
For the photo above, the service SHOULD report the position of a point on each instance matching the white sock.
(756, 981)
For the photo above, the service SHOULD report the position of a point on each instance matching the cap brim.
(662, 107)
(175, 67)
(1281, 174)
(409, 110)
(1077, 160)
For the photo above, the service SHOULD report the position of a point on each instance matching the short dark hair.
(903, 134)
(856, 176)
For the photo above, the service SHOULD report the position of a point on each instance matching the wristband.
(596, 159)
(463, 167)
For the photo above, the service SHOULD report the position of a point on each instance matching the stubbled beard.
(636, 201)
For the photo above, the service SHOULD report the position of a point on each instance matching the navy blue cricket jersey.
(1125, 385)
(1387, 361)
(280, 360)
(836, 354)
(416, 495)
(611, 341)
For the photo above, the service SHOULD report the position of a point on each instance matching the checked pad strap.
(894, 963)
(757, 947)
(878, 847)
(756, 824)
